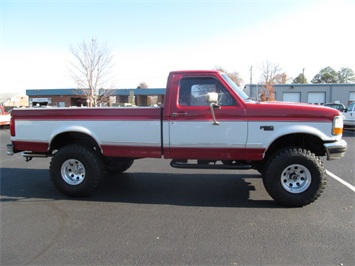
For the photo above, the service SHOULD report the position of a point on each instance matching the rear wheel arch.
(71, 137)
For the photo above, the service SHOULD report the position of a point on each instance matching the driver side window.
(193, 92)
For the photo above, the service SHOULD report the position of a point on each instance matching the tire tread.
(279, 194)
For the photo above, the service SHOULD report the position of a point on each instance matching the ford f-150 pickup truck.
(206, 122)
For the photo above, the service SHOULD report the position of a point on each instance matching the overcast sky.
(150, 38)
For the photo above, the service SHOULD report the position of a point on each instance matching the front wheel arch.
(299, 140)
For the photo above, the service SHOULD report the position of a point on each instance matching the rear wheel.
(76, 170)
(294, 177)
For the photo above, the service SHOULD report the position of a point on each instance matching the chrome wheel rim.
(73, 172)
(295, 178)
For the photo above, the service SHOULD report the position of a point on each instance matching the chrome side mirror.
(212, 97)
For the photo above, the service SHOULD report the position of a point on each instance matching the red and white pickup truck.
(206, 122)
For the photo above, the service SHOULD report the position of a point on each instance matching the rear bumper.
(336, 150)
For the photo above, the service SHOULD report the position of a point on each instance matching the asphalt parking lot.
(157, 215)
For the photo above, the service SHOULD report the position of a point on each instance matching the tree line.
(328, 75)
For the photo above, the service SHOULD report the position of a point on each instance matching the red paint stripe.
(131, 151)
(254, 119)
(215, 153)
(40, 147)
(155, 152)
(88, 114)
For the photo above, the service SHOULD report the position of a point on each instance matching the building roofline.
(71, 91)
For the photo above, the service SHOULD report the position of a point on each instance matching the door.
(193, 131)
(316, 98)
(294, 97)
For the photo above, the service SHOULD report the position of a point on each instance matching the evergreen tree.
(326, 75)
(301, 79)
(346, 75)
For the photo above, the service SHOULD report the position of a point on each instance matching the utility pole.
(303, 76)
(251, 75)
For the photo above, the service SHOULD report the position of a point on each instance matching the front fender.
(263, 134)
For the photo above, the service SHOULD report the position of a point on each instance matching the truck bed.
(118, 131)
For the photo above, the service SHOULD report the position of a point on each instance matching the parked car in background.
(339, 106)
(349, 115)
(4, 117)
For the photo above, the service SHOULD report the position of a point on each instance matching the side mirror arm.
(212, 107)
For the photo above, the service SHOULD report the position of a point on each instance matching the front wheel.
(294, 177)
(76, 170)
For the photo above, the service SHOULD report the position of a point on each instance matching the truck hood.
(284, 110)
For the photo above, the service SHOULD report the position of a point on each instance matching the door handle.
(178, 114)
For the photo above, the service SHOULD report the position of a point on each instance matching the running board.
(29, 155)
(182, 164)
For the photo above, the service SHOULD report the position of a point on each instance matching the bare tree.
(90, 69)
(232, 75)
(271, 74)
(142, 85)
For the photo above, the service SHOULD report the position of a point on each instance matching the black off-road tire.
(76, 170)
(294, 177)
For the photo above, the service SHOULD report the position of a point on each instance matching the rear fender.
(73, 132)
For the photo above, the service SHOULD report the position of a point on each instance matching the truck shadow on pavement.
(210, 190)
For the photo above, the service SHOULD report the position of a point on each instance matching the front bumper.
(336, 150)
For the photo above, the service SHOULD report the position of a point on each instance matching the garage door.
(291, 97)
(316, 97)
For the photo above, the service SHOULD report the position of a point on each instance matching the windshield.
(235, 87)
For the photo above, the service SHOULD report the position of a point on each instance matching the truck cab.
(215, 130)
